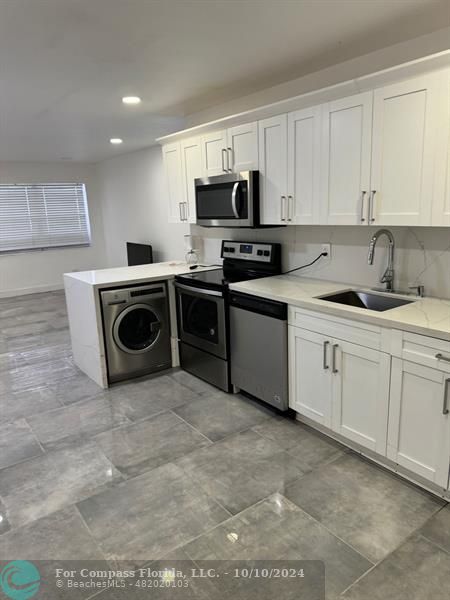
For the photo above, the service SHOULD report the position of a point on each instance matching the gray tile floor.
(169, 467)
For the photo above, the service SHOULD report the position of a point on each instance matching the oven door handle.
(197, 290)
(233, 199)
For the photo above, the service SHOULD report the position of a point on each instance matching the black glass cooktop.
(217, 278)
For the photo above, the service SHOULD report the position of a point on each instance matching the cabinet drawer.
(364, 334)
(422, 350)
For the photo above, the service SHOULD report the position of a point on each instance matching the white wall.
(134, 207)
(42, 270)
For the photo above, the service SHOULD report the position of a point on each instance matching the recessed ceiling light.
(116, 141)
(131, 100)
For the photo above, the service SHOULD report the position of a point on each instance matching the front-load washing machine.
(137, 330)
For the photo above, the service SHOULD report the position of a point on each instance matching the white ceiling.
(65, 64)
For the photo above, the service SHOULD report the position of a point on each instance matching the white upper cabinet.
(191, 168)
(215, 156)
(242, 147)
(230, 150)
(303, 195)
(272, 134)
(345, 163)
(174, 190)
(441, 193)
(378, 158)
(419, 422)
(406, 119)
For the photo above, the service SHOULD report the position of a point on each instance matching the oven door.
(225, 200)
(201, 319)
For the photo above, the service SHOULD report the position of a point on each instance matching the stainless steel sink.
(366, 300)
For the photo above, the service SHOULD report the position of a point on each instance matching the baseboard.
(31, 290)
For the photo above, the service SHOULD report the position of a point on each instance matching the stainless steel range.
(203, 312)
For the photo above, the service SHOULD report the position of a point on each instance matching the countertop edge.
(121, 280)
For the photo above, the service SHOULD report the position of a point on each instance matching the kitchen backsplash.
(422, 255)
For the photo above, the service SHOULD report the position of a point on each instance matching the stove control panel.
(254, 251)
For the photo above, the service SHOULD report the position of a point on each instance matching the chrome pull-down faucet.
(388, 275)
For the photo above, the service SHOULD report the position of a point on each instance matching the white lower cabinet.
(361, 394)
(386, 391)
(309, 375)
(340, 385)
(419, 424)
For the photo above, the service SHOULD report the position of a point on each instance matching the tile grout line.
(91, 535)
(433, 543)
(410, 536)
(382, 560)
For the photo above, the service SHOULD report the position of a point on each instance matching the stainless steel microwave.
(230, 200)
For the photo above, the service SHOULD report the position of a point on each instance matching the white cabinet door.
(361, 394)
(310, 375)
(346, 152)
(172, 172)
(405, 121)
(419, 431)
(304, 132)
(191, 168)
(272, 134)
(242, 147)
(441, 194)
(215, 158)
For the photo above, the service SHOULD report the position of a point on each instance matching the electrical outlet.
(327, 248)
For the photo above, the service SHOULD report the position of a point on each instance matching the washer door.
(136, 330)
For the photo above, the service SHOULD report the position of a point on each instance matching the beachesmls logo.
(20, 580)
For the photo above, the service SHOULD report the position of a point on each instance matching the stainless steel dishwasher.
(258, 343)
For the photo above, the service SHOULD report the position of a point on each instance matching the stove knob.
(259, 253)
(266, 253)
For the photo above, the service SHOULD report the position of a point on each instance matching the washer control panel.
(254, 251)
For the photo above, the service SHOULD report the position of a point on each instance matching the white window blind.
(43, 216)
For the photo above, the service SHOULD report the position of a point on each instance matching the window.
(43, 216)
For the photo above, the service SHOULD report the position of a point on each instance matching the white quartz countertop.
(123, 275)
(426, 316)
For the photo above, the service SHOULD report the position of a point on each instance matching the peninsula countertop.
(101, 278)
(85, 313)
(425, 316)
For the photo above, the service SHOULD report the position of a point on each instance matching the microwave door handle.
(233, 199)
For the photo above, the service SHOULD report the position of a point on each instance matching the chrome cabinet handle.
(440, 356)
(445, 405)
(181, 210)
(325, 364)
(233, 199)
(186, 211)
(230, 159)
(335, 347)
(290, 206)
(371, 204)
(224, 151)
(363, 193)
(283, 208)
